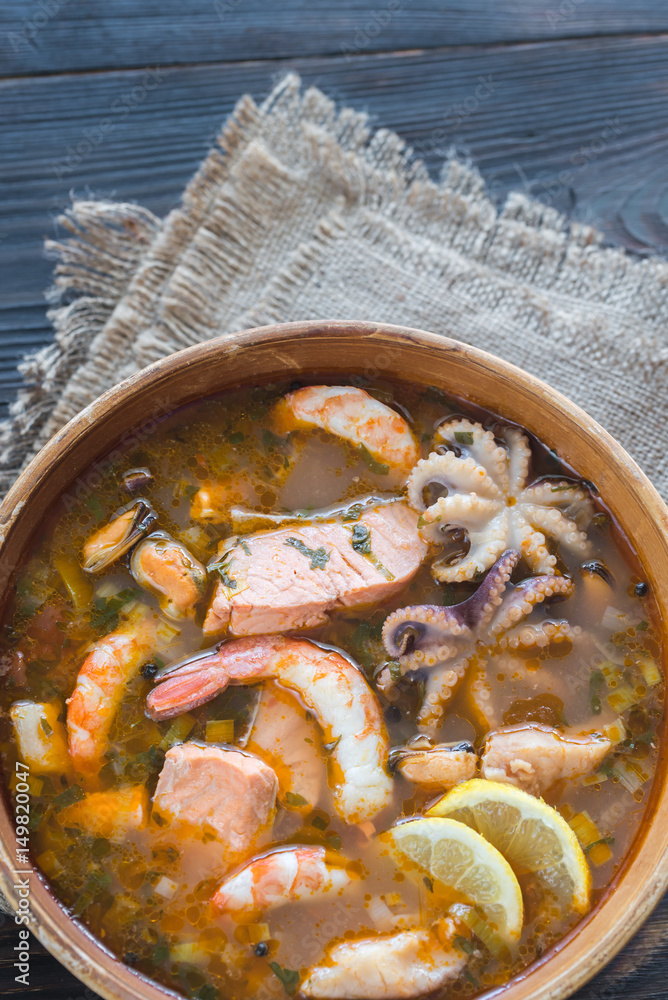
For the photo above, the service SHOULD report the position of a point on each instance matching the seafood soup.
(331, 690)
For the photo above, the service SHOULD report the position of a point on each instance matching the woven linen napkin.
(300, 211)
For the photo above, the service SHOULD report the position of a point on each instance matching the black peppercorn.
(393, 714)
(261, 949)
(641, 589)
(149, 670)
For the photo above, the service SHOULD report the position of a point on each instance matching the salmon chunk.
(534, 757)
(214, 789)
(273, 581)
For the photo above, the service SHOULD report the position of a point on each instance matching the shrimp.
(352, 414)
(330, 685)
(278, 878)
(104, 674)
(408, 964)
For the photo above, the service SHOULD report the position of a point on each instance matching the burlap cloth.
(300, 211)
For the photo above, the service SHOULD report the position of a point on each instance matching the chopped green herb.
(334, 841)
(37, 811)
(394, 668)
(223, 569)
(642, 626)
(45, 727)
(319, 822)
(601, 520)
(104, 616)
(206, 992)
(602, 840)
(101, 847)
(245, 547)
(353, 513)
(463, 944)
(271, 441)
(160, 953)
(372, 464)
(464, 437)
(189, 490)
(319, 557)
(596, 682)
(288, 977)
(428, 882)
(361, 540)
(236, 437)
(294, 799)
(97, 883)
(563, 487)
(71, 795)
(468, 975)
(95, 506)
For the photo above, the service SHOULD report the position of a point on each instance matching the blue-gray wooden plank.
(45, 36)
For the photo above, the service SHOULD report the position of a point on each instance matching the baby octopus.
(473, 493)
(444, 640)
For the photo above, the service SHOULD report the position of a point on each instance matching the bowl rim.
(84, 954)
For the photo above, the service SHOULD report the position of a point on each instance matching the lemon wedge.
(531, 835)
(460, 859)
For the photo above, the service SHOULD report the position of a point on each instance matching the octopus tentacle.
(553, 493)
(531, 543)
(479, 608)
(486, 547)
(469, 512)
(440, 688)
(519, 458)
(558, 526)
(423, 636)
(525, 637)
(456, 475)
(482, 446)
(525, 596)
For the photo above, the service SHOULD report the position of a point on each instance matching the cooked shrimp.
(278, 878)
(331, 686)
(285, 734)
(352, 414)
(103, 677)
(409, 964)
(534, 756)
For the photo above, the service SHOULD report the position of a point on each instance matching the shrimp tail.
(184, 690)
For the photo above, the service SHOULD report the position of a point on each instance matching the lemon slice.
(531, 835)
(462, 860)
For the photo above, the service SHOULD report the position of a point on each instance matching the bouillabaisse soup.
(352, 692)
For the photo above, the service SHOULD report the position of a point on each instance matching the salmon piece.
(275, 581)
(534, 757)
(210, 788)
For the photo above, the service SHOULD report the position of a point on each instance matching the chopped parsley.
(104, 616)
(601, 840)
(319, 822)
(361, 541)
(319, 557)
(289, 977)
(463, 944)
(372, 464)
(223, 569)
(236, 437)
(46, 728)
(353, 513)
(294, 799)
(67, 798)
(244, 546)
(464, 437)
(97, 884)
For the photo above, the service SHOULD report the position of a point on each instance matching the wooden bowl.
(301, 349)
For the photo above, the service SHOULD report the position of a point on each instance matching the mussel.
(117, 537)
(170, 572)
(434, 766)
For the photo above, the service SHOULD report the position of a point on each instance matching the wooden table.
(575, 112)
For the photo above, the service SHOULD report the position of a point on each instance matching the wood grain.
(581, 125)
(99, 35)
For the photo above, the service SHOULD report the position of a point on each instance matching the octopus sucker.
(444, 640)
(525, 636)
(483, 491)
